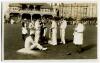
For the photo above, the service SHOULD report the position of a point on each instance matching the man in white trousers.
(44, 27)
(31, 44)
(37, 30)
(24, 31)
(53, 40)
(78, 35)
(63, 25)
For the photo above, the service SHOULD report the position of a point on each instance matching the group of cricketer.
(31, 33)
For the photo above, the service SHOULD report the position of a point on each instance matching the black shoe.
(68, 53)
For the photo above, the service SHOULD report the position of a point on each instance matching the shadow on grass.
(45, 40)
(88, 47)
(67, 40)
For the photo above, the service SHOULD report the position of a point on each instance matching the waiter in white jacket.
(54, 33)
(63, 25)
(78, 35)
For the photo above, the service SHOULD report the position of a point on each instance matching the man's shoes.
(51, 43)
(62, 42)
(43, 49)
(54, 44)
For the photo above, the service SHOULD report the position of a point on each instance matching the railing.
(31, 11)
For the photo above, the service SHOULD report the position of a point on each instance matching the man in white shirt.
(37, 31)
(63, 25)
(44, 27)
(31, 44)
(53, 40)
(24, 31)
(31, 28)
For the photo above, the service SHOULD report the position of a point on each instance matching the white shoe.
(63, 42)
(44, 49)
(54, 44)
(60, 42)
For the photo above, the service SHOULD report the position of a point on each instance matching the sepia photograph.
(47, 31)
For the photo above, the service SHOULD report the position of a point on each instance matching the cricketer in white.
(63, 26)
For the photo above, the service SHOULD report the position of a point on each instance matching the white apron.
(78, 34)
(78, 38)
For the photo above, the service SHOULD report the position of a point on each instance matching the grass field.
(13, 42)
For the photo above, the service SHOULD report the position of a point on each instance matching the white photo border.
(49, 61)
